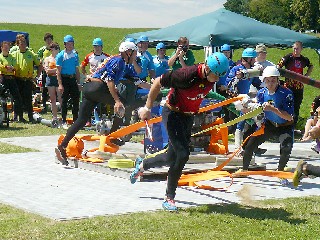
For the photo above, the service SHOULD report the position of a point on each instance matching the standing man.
(238, 85)
(277, 102)
(145, 59)
(101, 88)
(26, 61)
(221, 85)
(261, 60)
(296, 62)
(188, 88)
(161, 60)
(182, 56)
(8, 67)
(68, 76)
(95, 58)
(44, 52)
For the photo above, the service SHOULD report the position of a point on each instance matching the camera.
(184, 48)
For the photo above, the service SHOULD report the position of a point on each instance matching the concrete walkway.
(34, 182)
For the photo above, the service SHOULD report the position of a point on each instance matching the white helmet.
(124, 46)
(271, 71)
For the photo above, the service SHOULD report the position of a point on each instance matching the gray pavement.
(34, 182)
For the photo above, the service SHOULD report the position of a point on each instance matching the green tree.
(306, 14)
(275, 12)
(237, 6)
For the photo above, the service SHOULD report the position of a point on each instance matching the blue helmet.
(218, 64)
(225, 47)
(130, 40)
(143, 38)
(97, 42)
(68, 38)
(249, 52)
(160, 45)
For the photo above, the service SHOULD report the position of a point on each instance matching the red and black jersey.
(188, 88)
(295, 64)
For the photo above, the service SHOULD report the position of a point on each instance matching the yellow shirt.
(7, 61)
(26, 61)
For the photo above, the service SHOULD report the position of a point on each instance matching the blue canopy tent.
(222, 26)
(8, 35)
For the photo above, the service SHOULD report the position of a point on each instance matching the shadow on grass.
(251, 212)
(10, 128)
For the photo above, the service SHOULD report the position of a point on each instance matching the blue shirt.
(161, 65)
(281, 99)
(114, 69)
(146, 64)
(67, 61)
(243, 85)
(223, 80)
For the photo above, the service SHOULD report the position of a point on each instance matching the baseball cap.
(261, 48)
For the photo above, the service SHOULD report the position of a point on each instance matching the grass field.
(295, 218)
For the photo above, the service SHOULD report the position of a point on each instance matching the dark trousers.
(12, 86)
(71, 91)
(285, 136)
(179, 128)
(93, 93)
(297, 97)
(130, 100)
(25, 88)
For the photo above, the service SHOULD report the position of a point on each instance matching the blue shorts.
(52, 81)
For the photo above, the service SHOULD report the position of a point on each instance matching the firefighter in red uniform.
(188, 88)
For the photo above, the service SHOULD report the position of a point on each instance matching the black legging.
(179, 131)
(93, 93)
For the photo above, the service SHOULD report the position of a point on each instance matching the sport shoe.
(64, 126)
(137, 171)
(169, 205)
(54, 123)
(240, 154)
(238, 174)
(315, 148)
(118, 141)
(284, 181)
(298, 173)
(61, 155)
(260, 151)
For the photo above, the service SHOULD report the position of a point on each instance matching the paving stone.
(35, 183)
